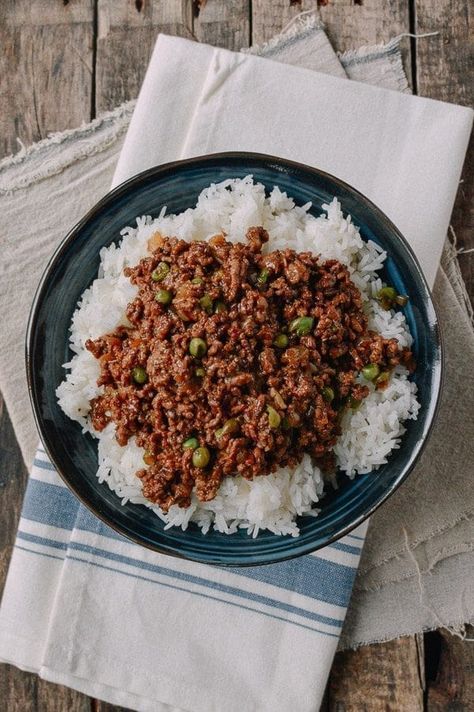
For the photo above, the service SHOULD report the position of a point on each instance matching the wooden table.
(63, 62)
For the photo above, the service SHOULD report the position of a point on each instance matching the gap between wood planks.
(95, 34)
(413, 47)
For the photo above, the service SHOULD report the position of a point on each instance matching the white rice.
(369, 433)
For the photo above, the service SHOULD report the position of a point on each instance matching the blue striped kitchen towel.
(89, 609)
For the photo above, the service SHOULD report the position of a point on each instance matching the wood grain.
(127, 32)
(351, 25)
(377, 678)
(100, 706)
(223, 24)
(444, 70)
(270, 16)
(453, 687)
(13, 477)
(18, 690)
(46, 56)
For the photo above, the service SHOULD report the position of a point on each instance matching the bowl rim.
(122, 190)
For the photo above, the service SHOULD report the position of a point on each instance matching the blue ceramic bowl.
(73, 267)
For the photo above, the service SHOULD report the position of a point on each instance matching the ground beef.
(281, 385)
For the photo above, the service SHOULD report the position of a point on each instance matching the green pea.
(274, 418)
(206, 303)
(160, 272)
(280, 341)
(302, 325)
(197, 347)
(263, 276)
(220, 308)
(139, 375)
(328, 394)
(163, 296)
(230, 426)
(387, 293)
(196, 280)
(371, 371)
(354, 403)
(201, 457)
(200, 372)
(191, 444)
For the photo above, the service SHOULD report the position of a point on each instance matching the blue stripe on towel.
(179, 588)
(349, 548)
(45, 541)
(44, 465)
(309, 576)
(50, 504)
(180, 576)
(354, 536)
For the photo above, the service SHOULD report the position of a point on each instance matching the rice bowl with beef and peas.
(231, 358)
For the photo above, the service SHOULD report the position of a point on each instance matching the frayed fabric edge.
(87, 140)
(455, 627)
(450, 261)
(367, 52)
(390, 52)
(306, 21)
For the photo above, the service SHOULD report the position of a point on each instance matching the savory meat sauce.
(235, 362)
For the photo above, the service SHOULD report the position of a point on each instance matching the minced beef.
(284, 337)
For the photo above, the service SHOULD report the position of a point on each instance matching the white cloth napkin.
(153, 633)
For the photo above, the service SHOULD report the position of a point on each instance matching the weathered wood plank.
(25, 692)
(100, 706)
(45, 68)
(351, 25)
(18, 690)
(453, 686)
(444, 71)
(127, 31)
(13, 477)
(270, 16)
(223, 24)
(56, 698)
(444, 62)
(377, 678)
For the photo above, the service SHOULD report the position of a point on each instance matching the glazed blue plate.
(74, 266)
